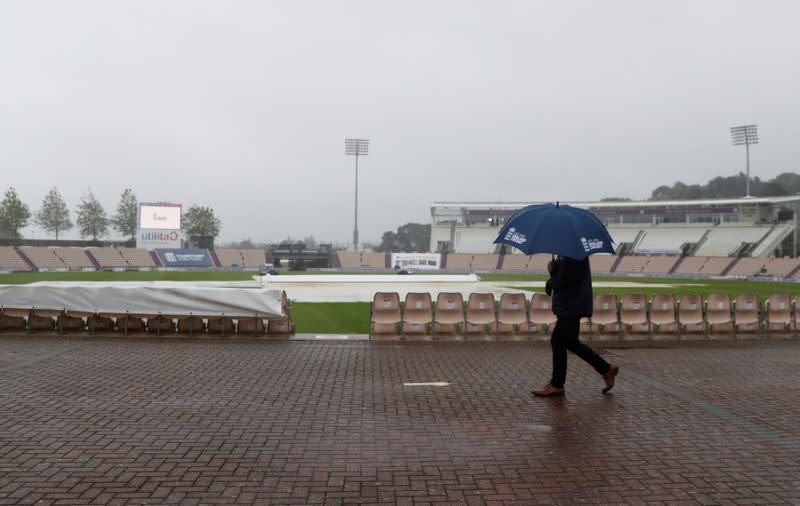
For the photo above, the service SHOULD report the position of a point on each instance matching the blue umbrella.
(560, 230)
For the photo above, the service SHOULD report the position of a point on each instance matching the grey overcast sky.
(244, 105)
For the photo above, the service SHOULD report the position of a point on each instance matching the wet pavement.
(96, 421)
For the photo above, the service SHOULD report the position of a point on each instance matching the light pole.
(747, 135)
(356, 147)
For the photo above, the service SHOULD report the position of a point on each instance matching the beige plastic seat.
(586, 328)
(747, 316)
(222, 325)
(448, 318)
(417, 316)
(719, 316)
(481, 316)
(690, 315)
(605, 318)
(279, 327)
(160, 325)
(283, 325)
(512, 316)
(385, 315)
(69, 323)
(130, 324)
(97, 323)
(192, 325)
(40, 322)
(662, 316)
(633, 314)
(778, 315)
(250, 326)
(541, 317)
(8, 322)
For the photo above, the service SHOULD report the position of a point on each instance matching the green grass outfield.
(352, 318)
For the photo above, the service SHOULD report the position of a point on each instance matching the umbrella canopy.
(560, 230)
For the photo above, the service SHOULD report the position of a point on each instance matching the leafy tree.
(54, 215)
(199, 221)
(310, 242)
(243, 244)
(124, 221)
(92, 218)
(14, 214)
(409, 238)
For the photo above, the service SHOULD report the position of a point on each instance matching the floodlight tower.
(747, 135)
(356, 147)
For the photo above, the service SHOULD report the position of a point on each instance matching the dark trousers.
(565, 337)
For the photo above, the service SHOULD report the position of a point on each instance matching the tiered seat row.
(43, 258)
(246, 258)
(474, 262)
(11, 261)
(137, 257)
(361, 260)
(514, 317)
(74, 258)
(108, 258)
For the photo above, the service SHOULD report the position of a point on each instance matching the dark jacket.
(571, 285)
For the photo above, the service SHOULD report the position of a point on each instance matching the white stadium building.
(743, 227)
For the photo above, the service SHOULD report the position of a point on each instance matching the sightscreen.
(160, 216)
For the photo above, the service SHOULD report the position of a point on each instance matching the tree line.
(787, 183)
(91, 218)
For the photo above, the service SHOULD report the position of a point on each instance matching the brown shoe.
(609, 377)
(549, 391)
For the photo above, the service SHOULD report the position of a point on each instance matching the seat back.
(190, 325)
(480, 308)
(254, 325)
(662, 309)
(386, 307)
(418, 308)
(633, 309)
(512, 308)
(604, 311)
(449, 308)
(690, 309)
(779, 308)
(541, 310)
(66, 323)
(747, 309)
(160, 325)
(718, 308)
(221, 325)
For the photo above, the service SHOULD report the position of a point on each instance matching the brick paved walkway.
(137, 421)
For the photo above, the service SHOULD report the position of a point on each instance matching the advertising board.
(154, 239)
(185, 257)
(417, 261)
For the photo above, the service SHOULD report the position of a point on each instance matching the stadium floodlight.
(745, 135)
(356, 147)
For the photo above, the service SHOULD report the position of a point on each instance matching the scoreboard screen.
(160, 216)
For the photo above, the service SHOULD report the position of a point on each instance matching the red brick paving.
(98, 421)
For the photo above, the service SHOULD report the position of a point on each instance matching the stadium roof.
(636, 204)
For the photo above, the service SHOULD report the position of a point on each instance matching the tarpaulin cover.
(144, 300)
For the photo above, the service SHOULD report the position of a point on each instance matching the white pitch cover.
(144, 300)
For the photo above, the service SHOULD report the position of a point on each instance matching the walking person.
(571, 285)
